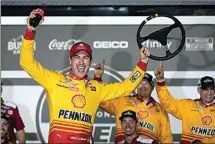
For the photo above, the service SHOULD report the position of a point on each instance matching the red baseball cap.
(80, 46)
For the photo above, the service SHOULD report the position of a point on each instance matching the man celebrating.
(154, 121)
(73, 99)
(198, 116)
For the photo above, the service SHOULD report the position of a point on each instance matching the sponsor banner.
(116, 44)
(199, 43)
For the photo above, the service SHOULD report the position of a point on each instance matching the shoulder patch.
(135, 76)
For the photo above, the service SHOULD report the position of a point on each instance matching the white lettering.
(103, 114)
(155, 44)
(107, 134)
(62, 45)
(110, 44)
(15, 44)
(103, 132)
(99, 114)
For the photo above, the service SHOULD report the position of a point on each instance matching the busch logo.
(62, 45)
(15, 45)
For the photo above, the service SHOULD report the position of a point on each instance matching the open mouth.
(127, 128)
(81, 68)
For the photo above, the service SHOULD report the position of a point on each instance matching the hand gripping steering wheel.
(161, 36)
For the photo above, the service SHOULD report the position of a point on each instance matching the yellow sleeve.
(165, 132)
(44, 77)
(176, 107)
(110, 106)
(114, 90)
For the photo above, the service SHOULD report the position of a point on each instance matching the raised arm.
(111, 91)
(99, 71)
(40, 74)
(169, 103)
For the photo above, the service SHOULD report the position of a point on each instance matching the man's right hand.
(99, 69)
(32, 15)
(144, 54)
(159, 72)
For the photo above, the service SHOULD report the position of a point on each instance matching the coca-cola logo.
(62, 45)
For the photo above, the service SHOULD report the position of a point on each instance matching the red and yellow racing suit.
(72, 102)
(198, 121)
(154, 121)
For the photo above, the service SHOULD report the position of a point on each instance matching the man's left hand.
(99, 69)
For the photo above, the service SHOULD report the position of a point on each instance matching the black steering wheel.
(161, 36)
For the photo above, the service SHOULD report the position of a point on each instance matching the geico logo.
(110, 44)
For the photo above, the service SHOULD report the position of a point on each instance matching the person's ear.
(198, 89)
(70, 60)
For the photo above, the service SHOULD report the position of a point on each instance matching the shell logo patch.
(206, 120)
(143, 114)
(78, 100)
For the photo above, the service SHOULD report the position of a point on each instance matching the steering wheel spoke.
(168, 53)
(142, 39)
(175, 25)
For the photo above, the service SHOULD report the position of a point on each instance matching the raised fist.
(99, 69)
(159, 72)
(144, 54)
(32, 15)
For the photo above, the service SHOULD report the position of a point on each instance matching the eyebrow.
(79, 56)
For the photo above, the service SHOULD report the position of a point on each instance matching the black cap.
(149, 78)
(206, 82)
(129, 113)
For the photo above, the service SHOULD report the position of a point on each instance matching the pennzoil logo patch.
(135, 76)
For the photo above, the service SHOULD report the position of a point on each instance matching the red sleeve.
(29, 35)
(142, 65)
(18, 120)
